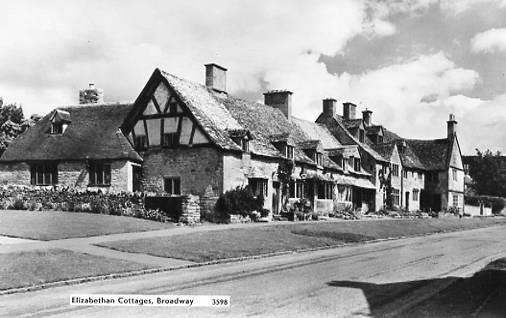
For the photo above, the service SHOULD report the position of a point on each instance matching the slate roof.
(352, 123)
(408, 157)
(317, 131)
(433, 154)
(385, 150)
(93, 134)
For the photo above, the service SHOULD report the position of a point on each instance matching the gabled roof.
(433, 154)
(317, 131)
(345, 137)
(312, 144)
(374, 130)
(386, 150)
(352, 123)
(60, 116)
(408, 156)
(93, 134)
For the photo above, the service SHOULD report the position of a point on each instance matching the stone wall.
(207, 205)
(414, 180)
(17, 173)
(199, 168)
(190, 209)
(72, 174)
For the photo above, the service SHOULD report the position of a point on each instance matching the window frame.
(415, 194)
(46, 171)
(97, 171)
(138, 145)
(259, 186)
(56, 128)
(289, 151)
(175, 184)
(174, 140)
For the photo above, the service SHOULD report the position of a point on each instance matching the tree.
(485, 170)
(13, 123)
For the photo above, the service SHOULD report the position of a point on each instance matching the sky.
(411, 62)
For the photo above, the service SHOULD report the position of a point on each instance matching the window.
(296, 189)
(44, 174)
(100, 173)
(141, 142)
(395, 196)
(344, 193)
(455, 200)
(289, 151)
(356, 164)
(361, 135)
(56, 128)
(245, 145)
(405, 174)
(415, 194)
(395, 170)
(325, 190)
(420, 175)
(170, 139)
(380, 139)
(258, 186)
(172, 185)
(454, 174)
(319, 158)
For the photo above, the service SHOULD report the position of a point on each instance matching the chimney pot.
(367, 117)
(281, 99)
(452, 126)
(330, 107)
(216, 77)
(349, 110)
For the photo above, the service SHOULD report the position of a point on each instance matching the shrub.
(19, 204)
(238, 201)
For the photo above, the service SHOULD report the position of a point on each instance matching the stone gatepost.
(190, 209)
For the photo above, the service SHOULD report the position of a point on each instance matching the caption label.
(151, 300)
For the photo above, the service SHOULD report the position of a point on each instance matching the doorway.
(407, 201)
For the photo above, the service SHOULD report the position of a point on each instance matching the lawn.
(59, 225)
(22, 269)
(240, 242)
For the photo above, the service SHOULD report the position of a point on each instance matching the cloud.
(489, 41)
(456, 7)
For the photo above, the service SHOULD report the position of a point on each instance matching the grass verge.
(60, 225)
(23, 269)
(241, 242)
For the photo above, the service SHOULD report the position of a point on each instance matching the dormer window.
(289, 151)
(59, 122)
(318, 158)
(245, 145)
(380, 140)
(56, 128)
(356, 164)
(361, 135)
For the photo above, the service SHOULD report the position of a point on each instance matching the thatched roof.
(433, 154)
(93, 134)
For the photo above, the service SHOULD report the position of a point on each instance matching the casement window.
(416, 193)
(395, 170)
(361, 135)
(318, 158)
(356, 164)
(245, 145)
(297, 189)
(44, 174)
(172, 185)
(100, 174)
(454, 174)
(405, 174)
(395, 196)
(455, 200)
(289, 151)
(325, 190)
(259, 186)
(141, 142)
(344, 193)
(56, 128)
(170, 139)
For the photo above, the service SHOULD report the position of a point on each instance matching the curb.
(77, 281)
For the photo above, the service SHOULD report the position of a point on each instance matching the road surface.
(375, 280)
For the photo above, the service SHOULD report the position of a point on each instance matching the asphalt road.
(375, 280)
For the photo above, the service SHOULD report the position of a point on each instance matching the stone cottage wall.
(15, 173)
(199, 168)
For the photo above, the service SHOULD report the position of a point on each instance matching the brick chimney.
(91, 95)
(329, 107)
(281, 99)
(216, 77)
(367, 117)
(452, 126)
(349, 110)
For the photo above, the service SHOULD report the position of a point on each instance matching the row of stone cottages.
(180, 137)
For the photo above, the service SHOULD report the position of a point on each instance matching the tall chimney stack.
(367, 117)
(281, 99)
(452, 126)
(330, 107)
(349, 110)
(91, 95)
(216, 77)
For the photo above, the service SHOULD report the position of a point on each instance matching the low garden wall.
(71, 200)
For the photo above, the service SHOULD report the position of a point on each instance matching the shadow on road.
(481, 295)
